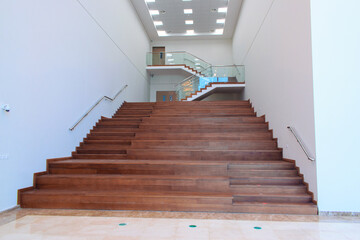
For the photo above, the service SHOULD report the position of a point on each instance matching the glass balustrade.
(176, 59)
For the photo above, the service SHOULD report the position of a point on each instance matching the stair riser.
(107, 142)
(290, 199)
(266, 173)
(265, 181)
(263, 190)
(117, 125)
(113, 130)
(204, 136)
(99, 156)
(203, 155)
(133, 184)
(235, 127)
(195, 121)
(203, 143)
(99, 151)
(231, 114)
(270, 166)
(194, 205)
(146, 169)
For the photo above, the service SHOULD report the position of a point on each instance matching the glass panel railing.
(176, 58)
(213, 74)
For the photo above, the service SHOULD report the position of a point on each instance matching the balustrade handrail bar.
(301, 143)
(97, 103)
(181, 52)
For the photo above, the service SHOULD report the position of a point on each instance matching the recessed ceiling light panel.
(189, 22)
(149, 1)
(158, 23)
(162, 33)
(219, 31)
(221, 21)
(190, 32)
(154, 12)
(222, 10)
(188, 11)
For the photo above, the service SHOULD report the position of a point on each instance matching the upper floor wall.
(215, 52)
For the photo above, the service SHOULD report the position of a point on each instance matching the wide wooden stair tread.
(178, 156)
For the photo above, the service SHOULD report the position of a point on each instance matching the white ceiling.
(204, 17)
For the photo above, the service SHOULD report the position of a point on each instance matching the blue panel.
(170, 98)
(223, 79)
(204, 81)
(164, 98)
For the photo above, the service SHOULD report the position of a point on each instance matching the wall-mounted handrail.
(97, 103)
(301, 143)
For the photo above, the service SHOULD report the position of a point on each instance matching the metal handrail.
(97, 103)
(301, 143)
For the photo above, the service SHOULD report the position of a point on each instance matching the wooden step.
(202, 120)
(157, 201)
(139, 167)
(263, 173)
(185, 154)
(277, 208)
(125, 200)
(204, 136)
(99, 156)
(205, 144)
(106, 182)
(272, 198)
(295, 180)
(268, 189)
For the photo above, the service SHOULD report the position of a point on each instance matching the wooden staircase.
(180, 156)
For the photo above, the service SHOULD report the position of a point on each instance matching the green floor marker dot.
(192, 226)
(122, 224)
(258, 228)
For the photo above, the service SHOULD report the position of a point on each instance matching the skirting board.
(347, 214)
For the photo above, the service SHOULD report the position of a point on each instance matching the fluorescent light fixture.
(222, 10)
(158, 23)
(148, 1)
(197, 67)
(170, 59)
(190, 32)
(162, 33)
(188, 11)
(197, 63)
(196, 59)
(220, 20)
(219, 31)
(154, 12)
(169, 55)
(189, 22)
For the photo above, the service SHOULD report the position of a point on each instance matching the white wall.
(55, 61)
(215, 52)
(166, 80)
(336, 58)
(273, 41)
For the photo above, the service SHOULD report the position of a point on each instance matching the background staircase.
(178, 156)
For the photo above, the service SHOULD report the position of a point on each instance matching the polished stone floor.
(106, 225)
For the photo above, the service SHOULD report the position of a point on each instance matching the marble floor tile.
(44, 227)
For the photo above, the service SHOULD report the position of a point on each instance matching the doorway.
(165, 96)
(158, 56)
